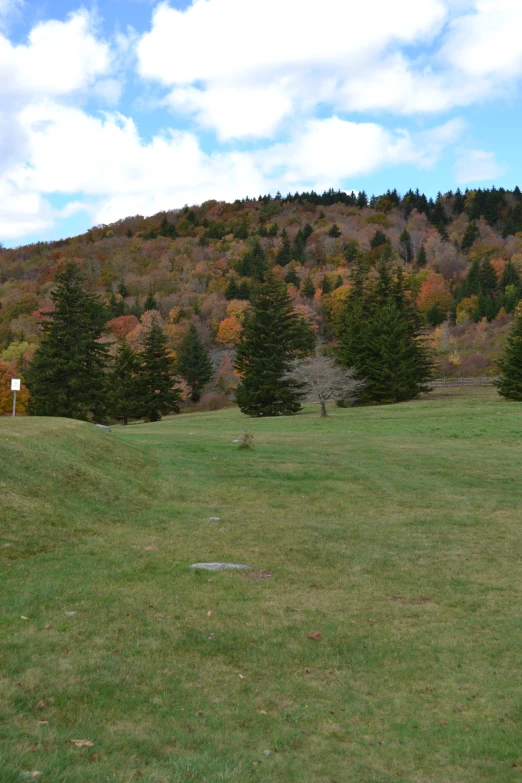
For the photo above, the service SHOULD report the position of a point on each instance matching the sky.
(128, 107)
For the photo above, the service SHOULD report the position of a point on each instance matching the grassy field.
(393, 532)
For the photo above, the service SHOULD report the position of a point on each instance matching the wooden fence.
(438, 383)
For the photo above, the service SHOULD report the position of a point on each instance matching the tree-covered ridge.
(460, 256)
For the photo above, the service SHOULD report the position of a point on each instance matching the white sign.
(15, 384)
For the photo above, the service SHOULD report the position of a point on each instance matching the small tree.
(150, 301)
(335, 231)
(308, 288)
(421, 256)
(284, 255)
(194, 363)
(160, 393)
(125, 385)
(323, 379)
(378, 239)
(406, 246)
(510, 363)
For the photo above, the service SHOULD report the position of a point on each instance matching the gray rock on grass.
(220, 566)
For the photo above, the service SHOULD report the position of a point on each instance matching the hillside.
(62, 481)
(390, 533)
(461, 255)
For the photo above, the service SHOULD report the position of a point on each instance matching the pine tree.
(273, 336)
(351, 252)
(406, 246)
(150, 301)
(510, 364)
(338, 282)
(67, 375)
(326, 285)
(160, 393)
(421, 256)
(308, 288)
(487, 277)
(232, 289)
(122, 290)
(253, 264)
(243, 291)
(378, 239)
(194, 363)
(284, 256)
(242, 231)
(510, 276)
(335, 231)
(470, 235)
(125, 385)
(167, 229)
(292, 278)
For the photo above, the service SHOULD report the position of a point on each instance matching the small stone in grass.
(214, 519)
(71, 614)
(267, 752)
(220, 566)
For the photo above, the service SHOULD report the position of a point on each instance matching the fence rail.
(438, 383)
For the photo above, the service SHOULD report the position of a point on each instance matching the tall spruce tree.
(159, 390)
(274, 334)
(125, 385)
(194, 363)
(510, 364)
(150, 302)
(284, 256)
(67, 375)
(378, 338)
(406, 246)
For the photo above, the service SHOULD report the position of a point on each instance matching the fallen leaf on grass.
(263, 712)
(314, 635)
(31, 775)
(23, 617)
(209, 614)
(83, 743)
(149, 549)
(94, 757)
(41, 705)
(68, 652)
(43, 722)
(241, 677)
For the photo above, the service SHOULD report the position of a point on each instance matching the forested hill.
(461, 254)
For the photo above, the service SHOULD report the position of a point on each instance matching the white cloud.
(59, 58)
(474, 165)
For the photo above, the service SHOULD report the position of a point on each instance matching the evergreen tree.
(115, 307)
(362, 199)
(253, 264)
(122, 290)
(351, 251)
(406, 246)
(458, 203)
(421, 256)
(150, 301)
(194, 363)
(487, 277)
(272, 337)
(510, 276)
(334, 231)
(125, 385)
(167, 229)
(160, 393)
(292, 278)
(378, 239)
(67, 375)
(435, 316)
(470, 235)
(510, 364)
(308, 288)
(284, 256)
(338, 282)
(232, 289)
(378, 338)
(243, 290)
(326, 285)
(242, 231)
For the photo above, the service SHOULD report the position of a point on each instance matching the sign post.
(15, 386)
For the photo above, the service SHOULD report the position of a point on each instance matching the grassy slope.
(394, 532)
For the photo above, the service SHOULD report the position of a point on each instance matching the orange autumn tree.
(229, 332)
(7, 371)
(433, 292)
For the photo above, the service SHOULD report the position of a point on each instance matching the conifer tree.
(326, 285)
(122, 290)
(67, 375)
(351, 251)
(253, 264)
(273, 336)
(338, 282)
(284, 256)
(292, 278)
(510, 364)
(232, 289)
(421, 256)
(242, 231)
(470, 235)
(194, 363)
(308, 288)
(335, 231)
(167, 229)
(378, 239)
(125, 385)
(160, 393)
(243, 291)
(406, 246)
(150, 301)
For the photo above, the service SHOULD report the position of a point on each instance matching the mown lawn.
(393, 532)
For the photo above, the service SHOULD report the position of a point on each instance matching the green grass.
(394, 532)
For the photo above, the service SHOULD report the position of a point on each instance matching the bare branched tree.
(324, 379)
